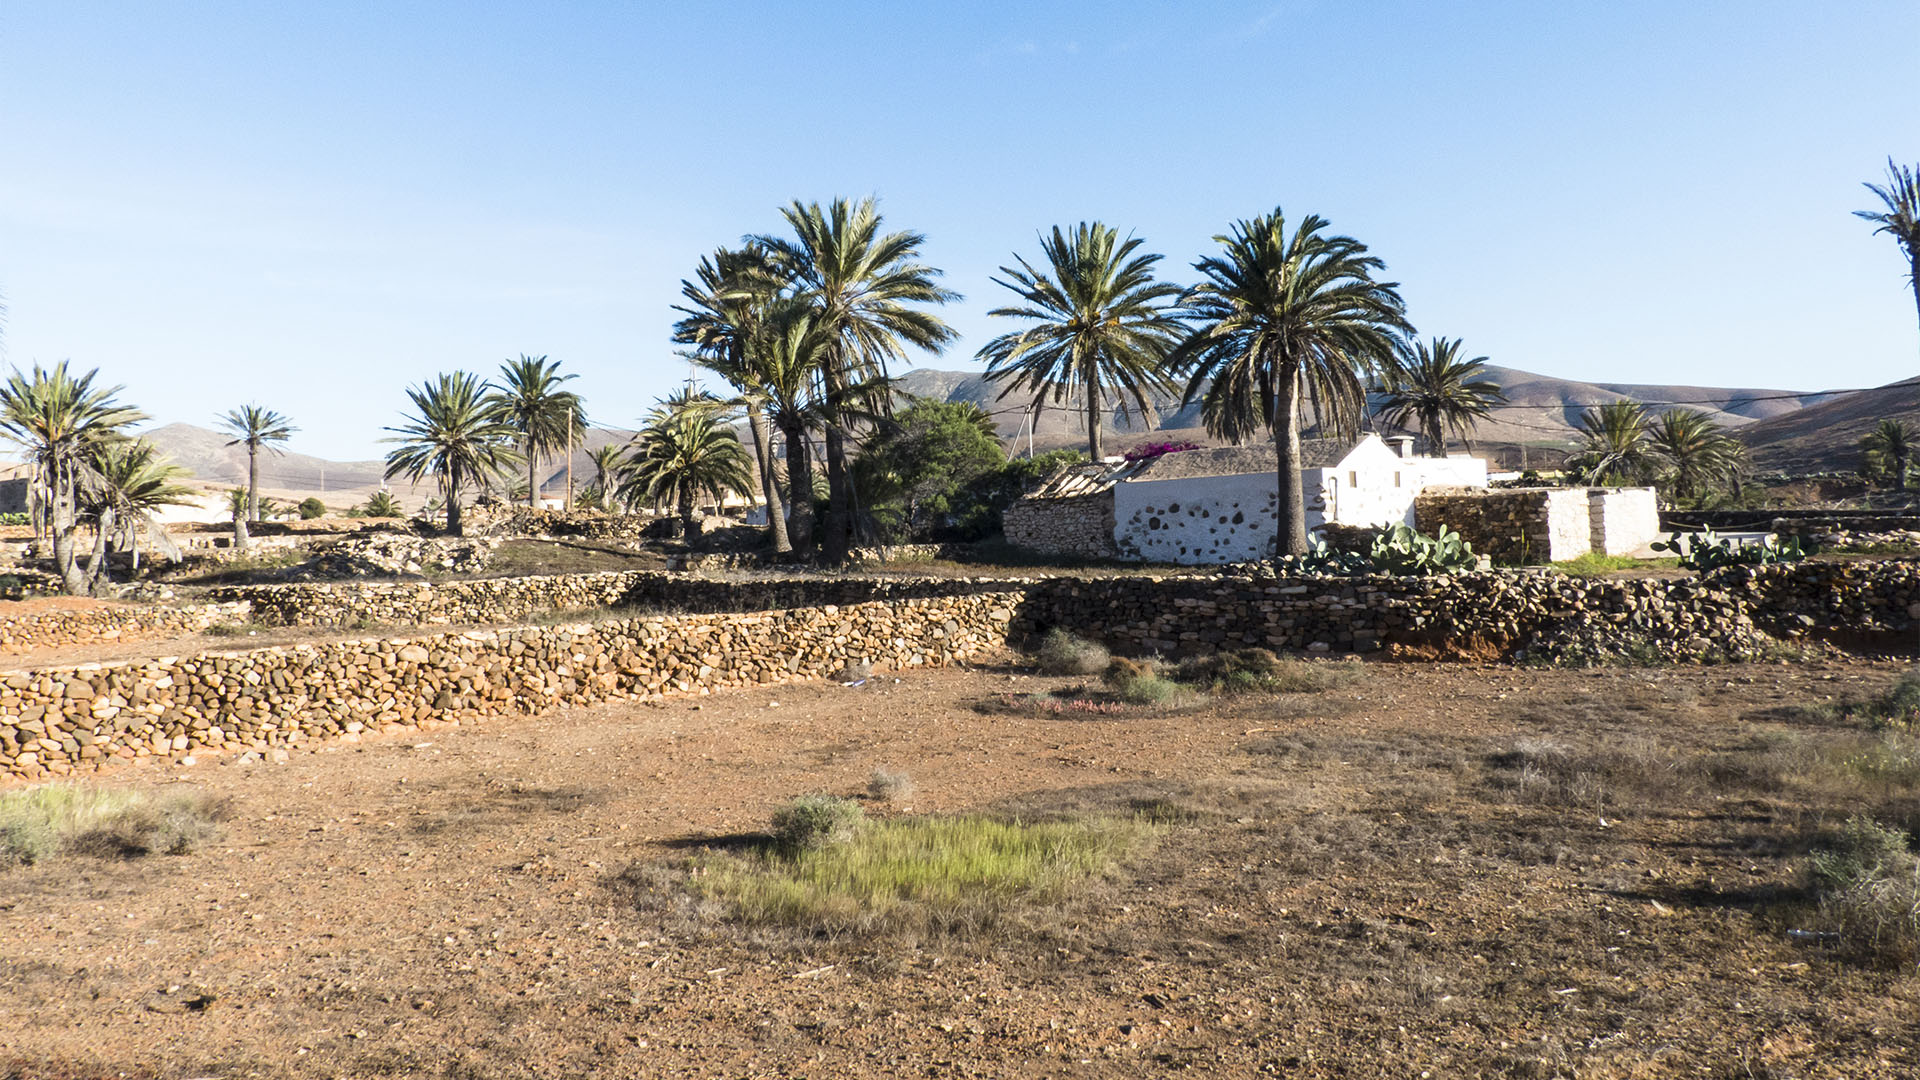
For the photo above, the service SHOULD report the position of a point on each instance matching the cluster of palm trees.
(86, 468)
(1285, 323)
(1683, 450)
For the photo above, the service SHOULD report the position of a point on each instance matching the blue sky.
(311, 206)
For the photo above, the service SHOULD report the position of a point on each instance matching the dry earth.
(1353, 888)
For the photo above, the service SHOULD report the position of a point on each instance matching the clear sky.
(312, 205)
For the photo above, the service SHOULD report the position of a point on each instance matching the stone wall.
(56, 721)
(1078, 525)
(1196, 520)
(1516, 526)
(56, 627)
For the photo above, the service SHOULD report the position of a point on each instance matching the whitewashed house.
(1220, 505)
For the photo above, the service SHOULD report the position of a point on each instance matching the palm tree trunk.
(135, 529)
(242, 540)
(689, 532)
(1093, 417)
(97, 567)
(533, 466)
(567, 505)
(453, 508)
(835, 538)
(253, 483)
(799, 486)
(62, 527)
(1291, 536)
(769, 490)
(1901, 463)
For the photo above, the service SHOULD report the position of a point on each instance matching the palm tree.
(135, 482)
(1280, 319)
(686, 449)
(1900, 219)
(861, 286)
(1619, 447)
(1889, 450)
(256, 428)
(607, 461)
(547, 419)
(382, 504)
(1100, 321)
(788, 353)
(1696, 455)
(58, 420)
(729, 297)
(1430, 387)
(455, 434)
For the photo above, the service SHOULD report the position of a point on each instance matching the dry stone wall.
(61, 720)
(1516, 526)
(57, 627)
(1080, 525)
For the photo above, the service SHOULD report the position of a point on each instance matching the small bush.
(1868, 885)
(887, 785)
(1256, 671)
(1139, 682)
(1061, 653)
(311, 508)
(39, 823)
(816, 821)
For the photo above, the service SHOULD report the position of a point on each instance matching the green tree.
(256, 429)
(727, 304)
(135, 481)
(607, 462)
(58, 420)
(546, 419)
(1901, 218)
(686, 450)
(1284, 323)
(1619, 445)
(1430, 388)
(454, 435)
(1889, 451)
(1100, 323)
(923, 466)
(311, 507)
(1696, 456)
(864, 289)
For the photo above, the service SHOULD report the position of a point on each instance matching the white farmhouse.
(1220, 505)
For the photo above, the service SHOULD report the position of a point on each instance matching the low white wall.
(1624, 520)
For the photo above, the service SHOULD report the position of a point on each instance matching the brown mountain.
(1826, 437)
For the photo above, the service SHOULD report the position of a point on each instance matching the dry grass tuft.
(1061, 653)
(50, 820)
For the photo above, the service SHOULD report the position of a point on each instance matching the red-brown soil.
(1350, 893)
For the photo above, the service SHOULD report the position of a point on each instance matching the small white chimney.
(1402, 445)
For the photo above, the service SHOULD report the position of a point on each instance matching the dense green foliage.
(1887, 453)
(311, 507)
(917, 477)
(528, 398)
(456, 435)
(1430, 388)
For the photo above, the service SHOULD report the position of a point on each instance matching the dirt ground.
(1354, 887)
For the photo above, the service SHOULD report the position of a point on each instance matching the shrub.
(311, 508)
(887, 785)
(1061, 653)
(1404, 552)
(1139, 682)
(1868, 885)
(1255, 671)
(816, 821)
(39, 823)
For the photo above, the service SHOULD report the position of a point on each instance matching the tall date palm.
(59, 420)
(1619, 445)
(866, 290)
(1429, 387)
(1901, 218)
(1100, 322)
(528, 398)
(256, 429)
(454, 435)
(1696, 455)
(1285, 323)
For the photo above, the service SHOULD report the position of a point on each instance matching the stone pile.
(524, 521)
(1080, 525)
(394, 555)
(60, 720)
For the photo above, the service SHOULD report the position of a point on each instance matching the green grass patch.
(1594, 564)
(44, 822)
(938, 874)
